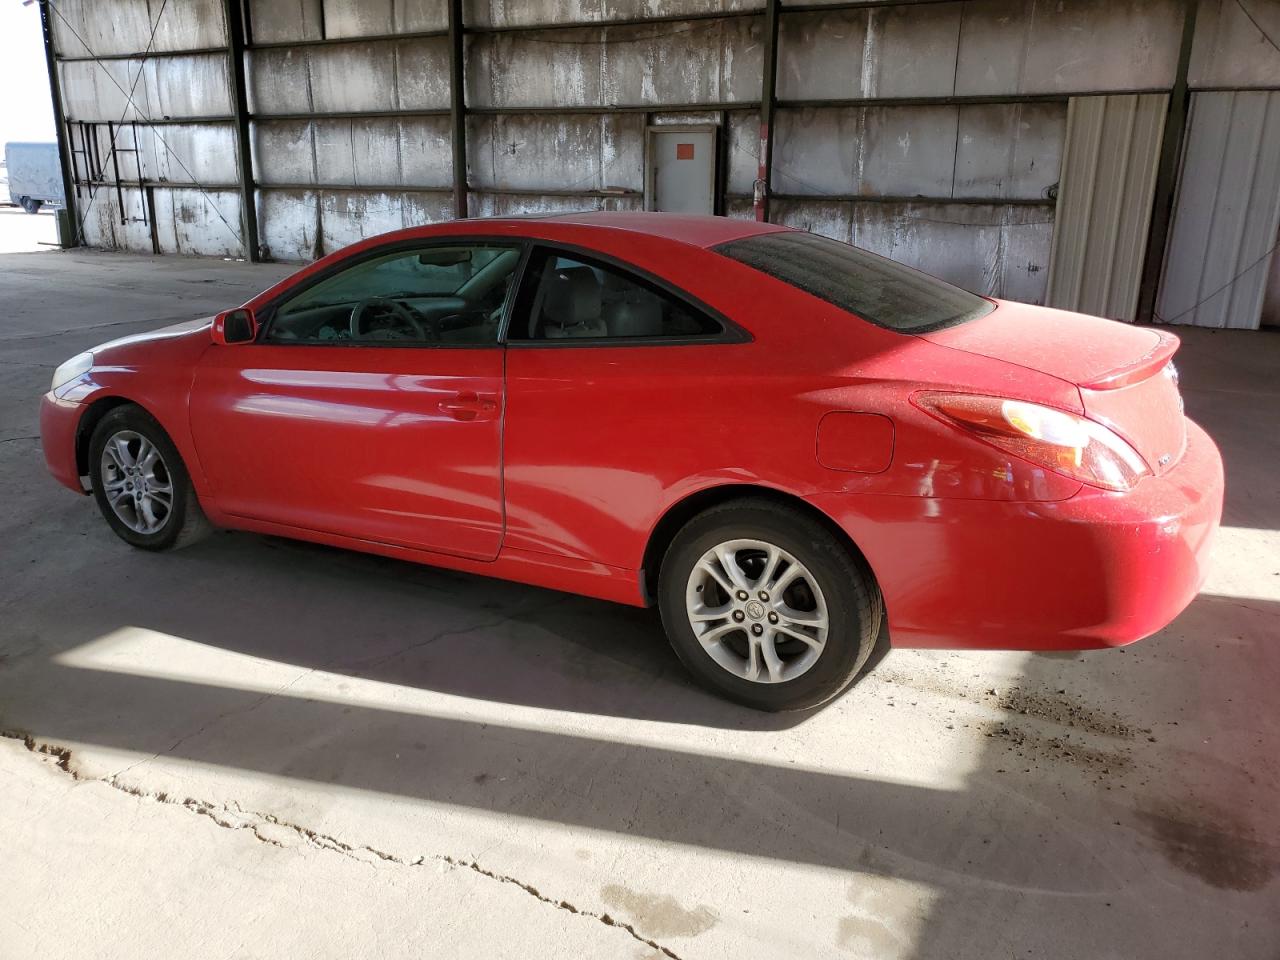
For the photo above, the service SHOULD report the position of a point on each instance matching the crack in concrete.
(13, 439)
(269, 829)
(379, 660)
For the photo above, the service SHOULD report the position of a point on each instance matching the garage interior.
(1047, 152)
(259, 747)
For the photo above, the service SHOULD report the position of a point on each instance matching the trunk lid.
(1123, 372)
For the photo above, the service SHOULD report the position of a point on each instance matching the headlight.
(77, 366)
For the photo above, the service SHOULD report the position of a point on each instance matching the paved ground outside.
(24, 232)
(260, 748)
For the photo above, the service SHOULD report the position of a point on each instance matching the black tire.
(184, 523)
(30, 205)
(853, 603)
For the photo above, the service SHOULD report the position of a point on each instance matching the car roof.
(700, 231)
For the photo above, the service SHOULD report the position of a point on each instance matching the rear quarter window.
(874, 288)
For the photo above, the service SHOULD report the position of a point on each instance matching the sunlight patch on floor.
(1254, 570)
(141, 652)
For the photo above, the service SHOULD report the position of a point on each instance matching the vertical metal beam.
(62, 132)
(237, 30)
(113, 131)
(1175, 125)
(149, 196)
(458, 107)
(768, 101)
(722, 165)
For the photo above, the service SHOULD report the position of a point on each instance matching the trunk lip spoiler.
(1140, 369)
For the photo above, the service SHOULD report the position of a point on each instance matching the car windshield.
(407, 274)
(878, 290)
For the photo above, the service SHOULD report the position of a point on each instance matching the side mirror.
(234, 326)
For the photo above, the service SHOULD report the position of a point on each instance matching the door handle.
(469, 406)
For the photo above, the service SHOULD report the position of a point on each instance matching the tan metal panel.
(1104, 203)
(1227, 212)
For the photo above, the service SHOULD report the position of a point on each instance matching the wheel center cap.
(755, 610)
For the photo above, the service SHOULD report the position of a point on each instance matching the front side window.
(879, 290)
(570, 298)
(440, 294)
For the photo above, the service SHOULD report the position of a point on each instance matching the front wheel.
(766, 607)
(141, 484)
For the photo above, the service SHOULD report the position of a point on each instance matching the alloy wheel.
(757, 611)
(137, 484)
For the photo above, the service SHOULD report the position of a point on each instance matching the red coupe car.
(779, 439)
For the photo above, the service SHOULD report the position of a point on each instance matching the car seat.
(571, 304)
(629, 310)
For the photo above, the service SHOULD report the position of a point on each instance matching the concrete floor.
(258, 748)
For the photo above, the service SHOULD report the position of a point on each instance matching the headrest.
(572, 296)
(633, 318)
(617, 287)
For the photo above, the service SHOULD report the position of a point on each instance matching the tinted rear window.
(885, 293)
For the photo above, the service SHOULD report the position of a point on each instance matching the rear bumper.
(59, 423)
(1097, 570)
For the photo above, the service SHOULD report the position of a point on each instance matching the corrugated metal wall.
(1227, 214)
(1104, 203)
(932, 132)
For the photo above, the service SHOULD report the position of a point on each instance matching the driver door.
(370, 404)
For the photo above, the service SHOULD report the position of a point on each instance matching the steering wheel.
(402, 312)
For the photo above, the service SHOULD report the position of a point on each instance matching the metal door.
(1104, 202)
(682, 167)
(1227, 211)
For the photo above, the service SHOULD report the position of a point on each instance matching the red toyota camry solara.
(777, 438)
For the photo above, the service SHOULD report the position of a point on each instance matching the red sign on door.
(684, 151)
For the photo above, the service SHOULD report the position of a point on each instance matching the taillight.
(1077, 447)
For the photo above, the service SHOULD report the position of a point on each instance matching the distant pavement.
(22, 232)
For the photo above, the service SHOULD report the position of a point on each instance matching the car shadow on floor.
(324, 608)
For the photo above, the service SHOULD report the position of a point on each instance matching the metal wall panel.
(174, 87)
(504, 13)
(1227, 212)
(710, 61)
(876, 52)
(364, 18)
(185, 220)
(743, 160)
(1009, 151)
(533, 152)
(284, 21)
(368, 75)
(995, 251)
(1082, 46)
(949, 165)
(1104, 203)
(113, 27)
(1233, 46)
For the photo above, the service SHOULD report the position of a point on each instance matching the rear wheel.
(765, 606)
(31, 205)
(141, 484)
